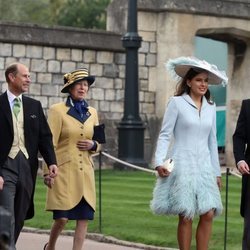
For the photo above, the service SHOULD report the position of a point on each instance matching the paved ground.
(31, 239)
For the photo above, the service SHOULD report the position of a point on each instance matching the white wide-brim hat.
(180, 66)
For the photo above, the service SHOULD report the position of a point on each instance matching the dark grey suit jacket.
(241, 148)
(37, 134)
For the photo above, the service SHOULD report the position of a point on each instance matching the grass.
(126, 215)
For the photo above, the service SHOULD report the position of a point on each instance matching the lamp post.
(131, 127)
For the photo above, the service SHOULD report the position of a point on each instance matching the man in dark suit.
(24, 132)
(241, 149)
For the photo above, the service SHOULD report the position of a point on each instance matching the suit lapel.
(25, 113)
(188, 99)
(72, 112)
(5, 106)
(30, 112)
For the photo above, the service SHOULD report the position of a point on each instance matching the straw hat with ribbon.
(76, 76)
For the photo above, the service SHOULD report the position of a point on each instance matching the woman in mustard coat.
(72, 195)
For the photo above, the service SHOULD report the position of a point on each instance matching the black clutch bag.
(99, 133)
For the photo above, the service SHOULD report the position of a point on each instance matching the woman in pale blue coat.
(188, 137)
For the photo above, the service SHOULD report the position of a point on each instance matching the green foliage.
(126, 214)
(76, 13)
(55, 6)
(26, 11)
(83, 13)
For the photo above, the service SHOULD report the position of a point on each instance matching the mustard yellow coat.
(75, 168)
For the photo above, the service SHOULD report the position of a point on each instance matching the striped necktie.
(16, 106)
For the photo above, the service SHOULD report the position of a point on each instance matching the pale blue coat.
(189, 138)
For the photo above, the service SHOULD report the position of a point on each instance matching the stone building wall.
(49, 53)
(167, 28)
(175, 25)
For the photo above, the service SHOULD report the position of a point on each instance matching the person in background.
(242, 159)
(24, 132)
(76, 132)
(193, 186)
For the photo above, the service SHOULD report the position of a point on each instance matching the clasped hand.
(85, 145)
(49, 179)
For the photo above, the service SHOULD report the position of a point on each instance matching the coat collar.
(72, 112)
(188, 99)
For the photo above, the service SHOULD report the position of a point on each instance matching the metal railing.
(226, 171)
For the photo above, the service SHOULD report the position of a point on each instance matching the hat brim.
(180, 66)
(181, 70)
(89, 79)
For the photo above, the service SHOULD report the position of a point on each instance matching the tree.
(55, 8)
(83, 13)
(27, 11)
(78, 13)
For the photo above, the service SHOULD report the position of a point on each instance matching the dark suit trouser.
(16, 193)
